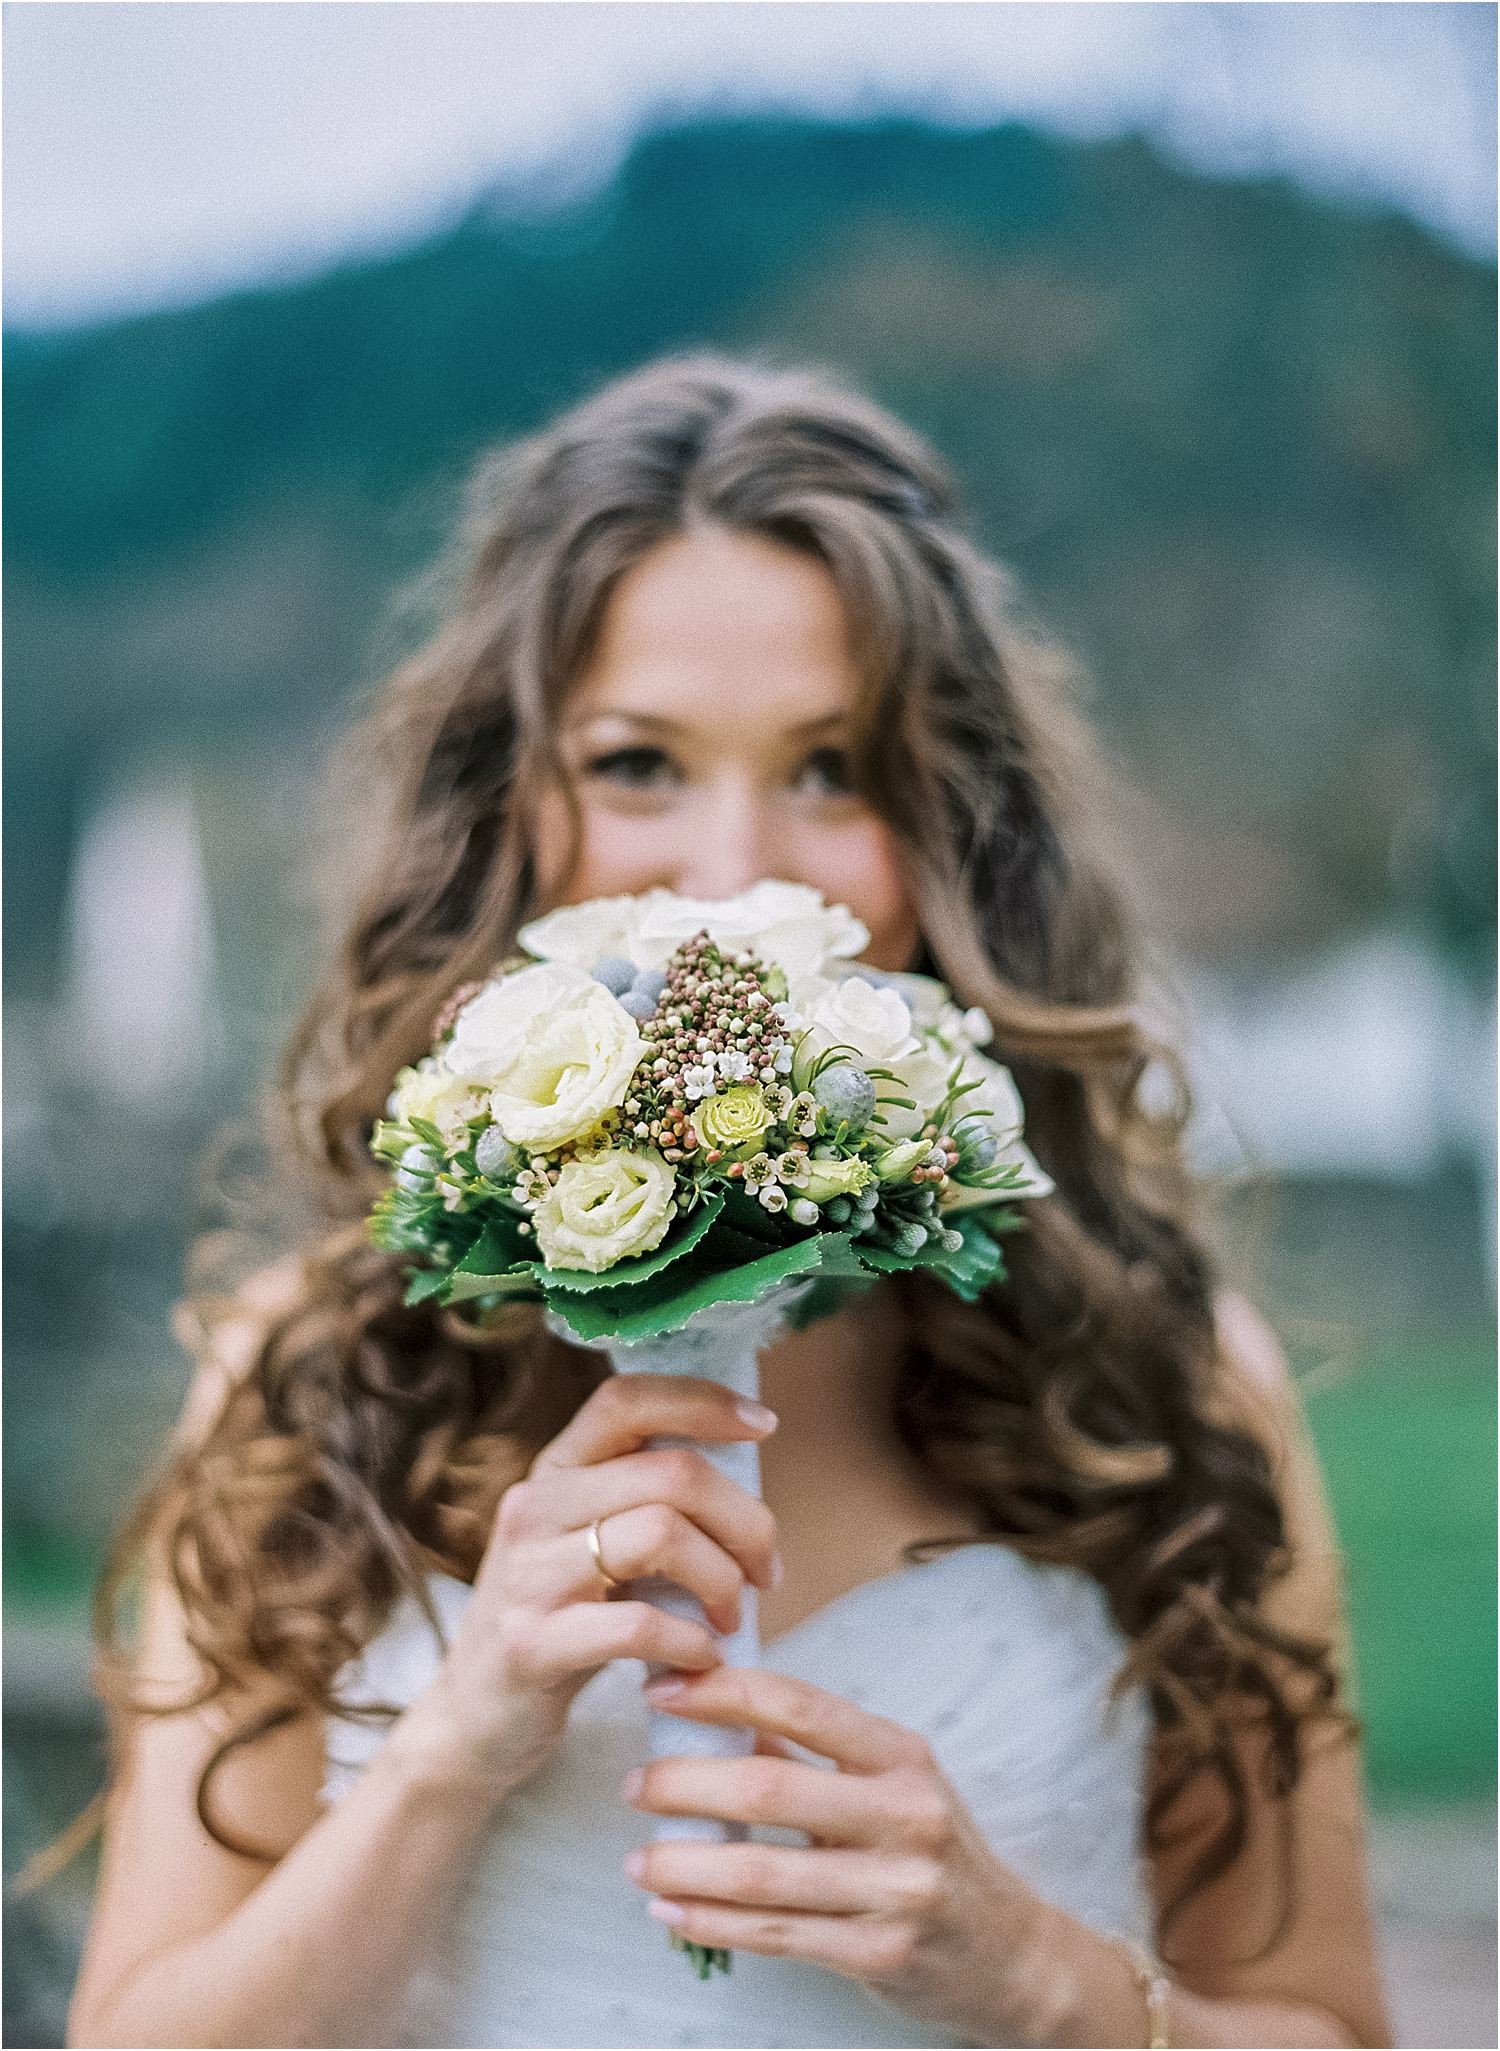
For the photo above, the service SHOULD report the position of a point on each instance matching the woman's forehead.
(721, 603)
(721, 630)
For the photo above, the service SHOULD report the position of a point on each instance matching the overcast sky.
(161, 150)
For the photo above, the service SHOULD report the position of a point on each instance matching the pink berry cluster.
(715, 1024)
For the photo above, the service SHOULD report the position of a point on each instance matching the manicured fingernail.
(666, 1911)
(663, 1690)
(635, 1864)
(630, 1787)
(757, 1416)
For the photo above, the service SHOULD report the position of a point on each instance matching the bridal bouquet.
(679, 1123)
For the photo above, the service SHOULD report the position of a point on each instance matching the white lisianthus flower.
(605, 1209)
(585, 933)
(875, 1022)
(925, 996)
(921, 1075)
(786, 924)
(430, 1090)
(998, 1096)
(934, 1011)
(551, 1047)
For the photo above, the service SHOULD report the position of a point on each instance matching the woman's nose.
(730, 845)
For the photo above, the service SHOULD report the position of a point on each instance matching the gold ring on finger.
(598, 1556)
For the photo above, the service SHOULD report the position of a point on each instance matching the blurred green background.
(1238, 443)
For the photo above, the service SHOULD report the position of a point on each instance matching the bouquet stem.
(722, 1343)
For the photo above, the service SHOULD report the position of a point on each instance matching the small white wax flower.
(734, 1066)
(698, 1082)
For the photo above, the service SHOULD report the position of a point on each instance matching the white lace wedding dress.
(1003, 1665)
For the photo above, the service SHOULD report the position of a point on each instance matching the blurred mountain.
(1238, 443)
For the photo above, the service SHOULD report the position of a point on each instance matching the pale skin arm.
(1321, 1984)
(190, 1944)
(317, 1941)
(926, 1916)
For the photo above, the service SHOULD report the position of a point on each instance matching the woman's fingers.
(837, 1809)
(865, 1948)
(569, 1499)
(545, 1648)
(837, 1882)
(786, 1707)
(626, 1410)
(652, 1539)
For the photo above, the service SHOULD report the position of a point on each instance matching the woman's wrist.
(429, 1756)
(1074, 1985)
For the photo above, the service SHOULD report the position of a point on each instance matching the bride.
(1052, 1738)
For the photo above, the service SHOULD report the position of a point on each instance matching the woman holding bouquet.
(1052, 1745)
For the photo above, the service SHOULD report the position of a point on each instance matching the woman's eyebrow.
(652, 722)
(649, 720)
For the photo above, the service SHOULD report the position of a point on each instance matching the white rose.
(605, 1209)
(553, 1049)
(430, 1091)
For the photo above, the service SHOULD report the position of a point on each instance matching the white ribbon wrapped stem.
(722, 1344)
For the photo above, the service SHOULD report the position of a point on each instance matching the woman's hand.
(539, 1623)
(897, 1888)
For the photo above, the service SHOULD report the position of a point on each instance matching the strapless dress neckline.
(833, 1610)
(1004, 1664)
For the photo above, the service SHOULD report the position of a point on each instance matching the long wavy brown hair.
(1079, 1405)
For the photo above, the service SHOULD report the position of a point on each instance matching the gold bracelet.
(1154, 1985)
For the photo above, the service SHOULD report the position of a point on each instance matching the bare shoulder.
(1255, 1381)
(1260, 1392)
(223, 1346)
(1253, 1345)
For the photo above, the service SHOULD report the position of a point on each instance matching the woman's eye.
(830, 772)
(635, 768)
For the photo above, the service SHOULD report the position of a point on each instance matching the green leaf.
(626, 1274)
(497, 1248)
(751, 1219)
(827, 1294)
(996, 1219)
(427, 1282)
(728, 1247)
(967, 1272)
(622, 1314)
(883, 1260)
(517, 1281)
(975, 1266)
